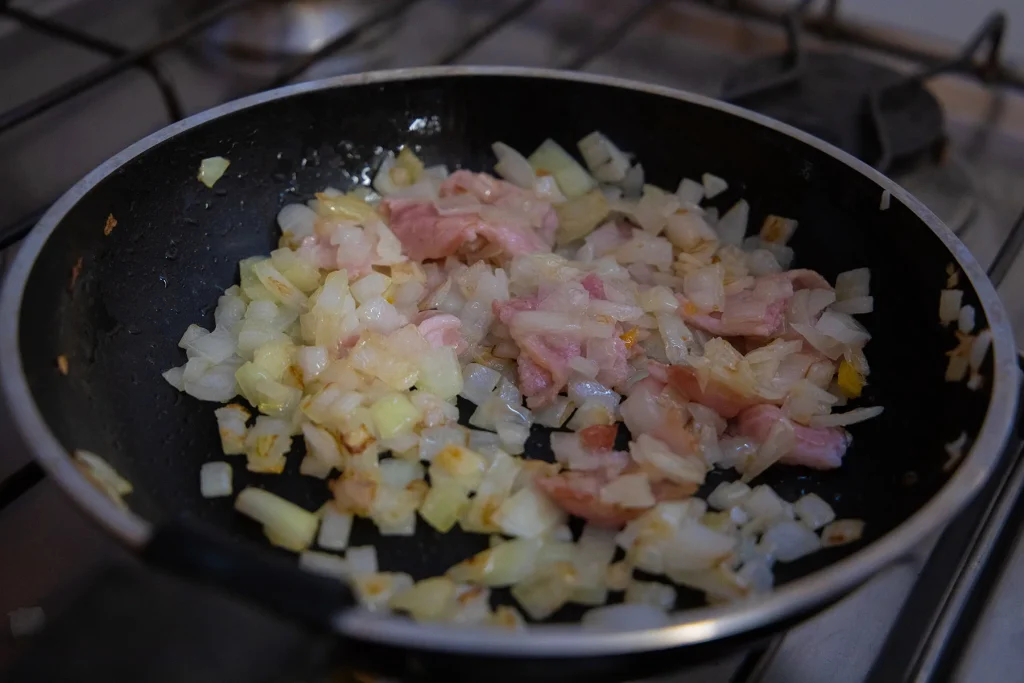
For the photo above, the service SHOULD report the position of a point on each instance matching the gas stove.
(84, 78)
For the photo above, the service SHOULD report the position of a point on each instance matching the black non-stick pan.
(177, 244)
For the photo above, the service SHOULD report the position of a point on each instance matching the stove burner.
(866, 109)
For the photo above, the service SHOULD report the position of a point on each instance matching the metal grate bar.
(63, 93)
(611, 38)
(828, 25)
(299, 66)
(53, 29)
(499, 22)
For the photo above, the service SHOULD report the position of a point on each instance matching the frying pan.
(177, 244)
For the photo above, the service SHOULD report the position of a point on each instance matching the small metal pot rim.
(688, 627)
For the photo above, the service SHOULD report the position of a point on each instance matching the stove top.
(954, 142)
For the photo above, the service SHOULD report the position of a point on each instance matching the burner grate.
(873, 112)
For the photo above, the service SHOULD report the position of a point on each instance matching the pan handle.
(189, 550)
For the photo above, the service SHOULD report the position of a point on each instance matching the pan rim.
(689, 627)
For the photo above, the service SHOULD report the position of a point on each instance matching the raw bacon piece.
(724, 400)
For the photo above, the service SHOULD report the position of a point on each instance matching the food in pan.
(565, 295)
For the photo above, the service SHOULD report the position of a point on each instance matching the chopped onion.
(853, 284)
(732, 226)
(965, 321)
(841, 532)
(979, 349)
(578, 217)
(505, 564)
(211, 169)
(215, 480)
(284, 522)
(335, 528)
(572, 178)
(813, 511)
(857, 306)
(659, 595)
(375, 591)
(886, 199)
(728, 494)
(848, 418)
(478, 382)
(103, 476)
(528, 514)
(789, 541)
(231, 423)
(362, 561)
(955, 451)
(690, 192)
(629, 491)
(427, 600)
(606, 161)
(949, 305)
(513, 166)
(713, 185)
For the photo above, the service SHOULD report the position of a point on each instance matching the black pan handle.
(192, 551)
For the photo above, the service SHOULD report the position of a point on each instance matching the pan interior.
(176, 246)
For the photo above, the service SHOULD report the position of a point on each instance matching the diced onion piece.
(479, 382)
(949, 305)
(465, 467)
(713, 185)
(789, 541)
(883, 205)
(335, 529)
(427, 600)
(856, 306)
(578, 217)
(175, 377)
(628, 491)
(955, 451)
(956, 368)
(572, 178)
(393, 415)
(362, 560)
(841, 532)
(375, 591)
(690, 192)
(440, 373)
(444, 504)
(369, 287)
(231, 423)
(507, 618)
(434, 439)
(979, 349)
(763, 503)
(656, 457)
(513, 166)
(285, 523)
(732, 226)
(528, 513)
(965, 321)
(324, 564)
(853, 284)
(697, 547)
(728, 494)
(103, 476)
(503, 565)
(848, 418)
(607, 162)
(842, 328)
(211, 169)
(544, 593)
(780, 440)
(653, 593)
(813, 511)
(556, 413)
(777, 230)
(215, 480)
(397, 474)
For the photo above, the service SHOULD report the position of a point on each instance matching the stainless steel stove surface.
(923, 619)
